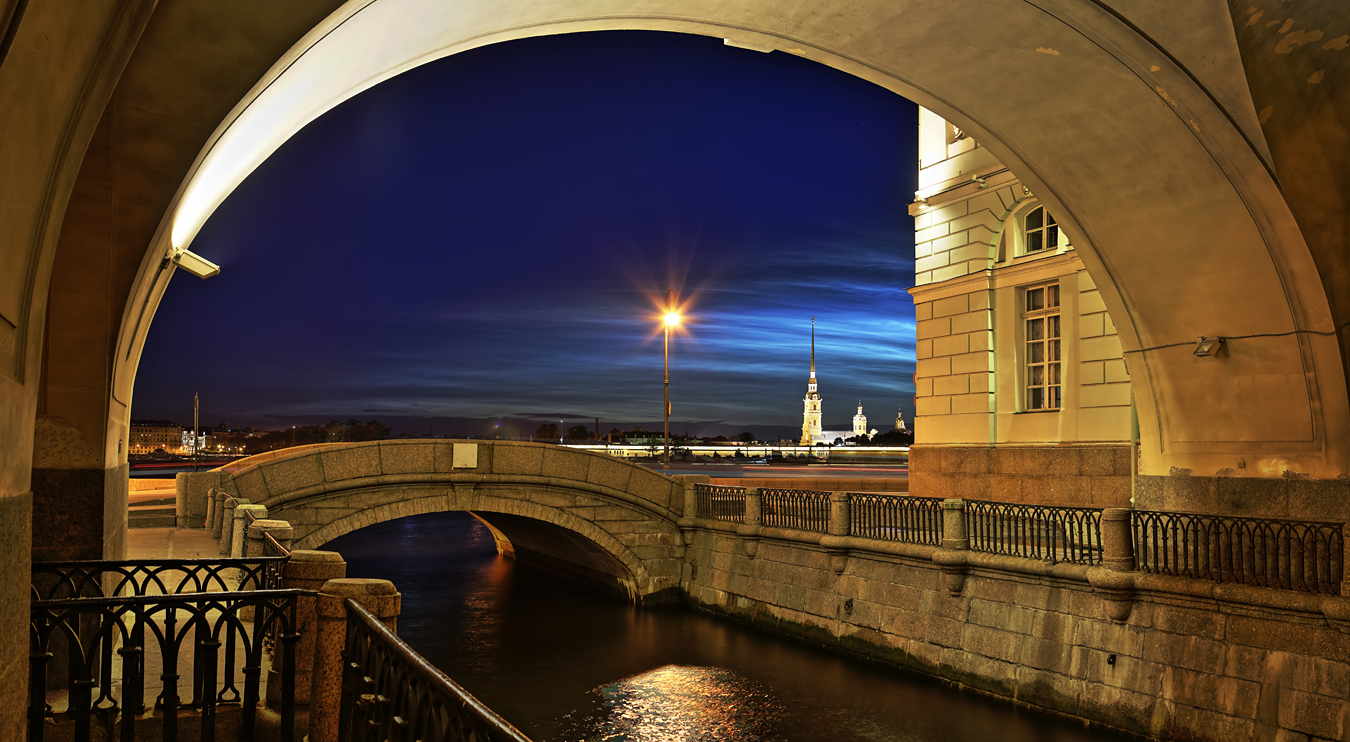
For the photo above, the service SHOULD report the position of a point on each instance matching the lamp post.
(672, 319)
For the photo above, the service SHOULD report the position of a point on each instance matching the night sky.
(490, 235)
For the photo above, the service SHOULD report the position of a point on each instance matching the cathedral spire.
(813, 347)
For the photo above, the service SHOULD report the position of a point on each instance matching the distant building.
(900, 422)
(146, 436)
(812, 410)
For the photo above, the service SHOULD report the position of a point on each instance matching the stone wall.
(1179, 667)
(1181, 659)
(1084, 475)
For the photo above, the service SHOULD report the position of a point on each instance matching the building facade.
(147, 436)
(1021, 385)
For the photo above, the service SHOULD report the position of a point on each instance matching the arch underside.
(1158, 172)
(539, 534)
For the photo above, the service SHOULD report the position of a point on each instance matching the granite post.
(306, 570)
(325, 698)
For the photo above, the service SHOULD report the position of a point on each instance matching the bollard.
(1117, 541)
(306, 570)
(227, 525)
(325, 698)
(219, 510)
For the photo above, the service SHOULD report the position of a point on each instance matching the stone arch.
(1145, 161)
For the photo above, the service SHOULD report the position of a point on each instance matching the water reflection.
(681, 704)
(564, 663)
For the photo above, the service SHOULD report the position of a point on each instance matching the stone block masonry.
(1191, 660)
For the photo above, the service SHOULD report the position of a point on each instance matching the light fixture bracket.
(194, 264)
(1207, 346)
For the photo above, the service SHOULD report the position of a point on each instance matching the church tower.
(811, 415)
(860, 421)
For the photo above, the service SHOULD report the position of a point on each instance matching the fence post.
(306, 570)
(219, 513)
(687, 520)
(325, 697)
(840, 525)
(210, 508)
(237, 531)
(257, 536)
(749, 528)
(1114, 580)
(951, 558)
(227, 525)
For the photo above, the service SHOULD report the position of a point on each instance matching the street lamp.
(672, 319)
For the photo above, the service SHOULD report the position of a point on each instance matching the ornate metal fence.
(721, 503)
(1285, 554)
(804, 510)
(57, 580)
(911, 520)
(89, 631)
(390, 693)
(1056, 534)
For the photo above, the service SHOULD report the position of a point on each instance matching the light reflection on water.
(563, 663)
(680, 704)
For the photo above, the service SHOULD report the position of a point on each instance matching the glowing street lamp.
(672, 319)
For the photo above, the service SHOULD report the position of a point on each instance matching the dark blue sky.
(487, 235)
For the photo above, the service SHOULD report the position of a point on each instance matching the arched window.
(1042, 233)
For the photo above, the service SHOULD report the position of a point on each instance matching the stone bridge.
(585, 513)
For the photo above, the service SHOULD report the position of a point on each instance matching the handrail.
(84, 579)
(390, 692)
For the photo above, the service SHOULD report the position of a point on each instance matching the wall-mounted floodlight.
(195, 264)
(1208, 346)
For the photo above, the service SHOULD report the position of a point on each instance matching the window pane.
(1052, 295)
(1033, 241)
(1053, 321)
(1034, 218)
(1036, 375)
(1035, 299)
(1035, 352)
(1049, 218)
(1054, 350)
(1053, 394)
(1054, 374)
(1052, 236)
(1035, 399)
(1036, 329)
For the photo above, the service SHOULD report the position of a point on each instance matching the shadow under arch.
(540, 535)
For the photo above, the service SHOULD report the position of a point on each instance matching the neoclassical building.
(1015, 349)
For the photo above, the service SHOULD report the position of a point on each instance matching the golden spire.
(813, 347)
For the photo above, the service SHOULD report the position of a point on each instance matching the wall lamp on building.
(195, 264)
(1208, 345)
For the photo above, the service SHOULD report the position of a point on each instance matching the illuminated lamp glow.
(672, 319)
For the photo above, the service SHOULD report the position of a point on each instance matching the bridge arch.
(605, 519)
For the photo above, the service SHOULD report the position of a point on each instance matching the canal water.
(562, 662)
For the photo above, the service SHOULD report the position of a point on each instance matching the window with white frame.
(1042, 362)
(1041, 231)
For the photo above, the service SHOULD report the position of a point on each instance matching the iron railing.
(719, 502)
(83, 579)
(90, 631)
(803, 510)
(1056, 534)
(1285, 554)
(910, 520)
(390, 693)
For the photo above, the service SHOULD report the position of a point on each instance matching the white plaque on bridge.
(465, 456)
